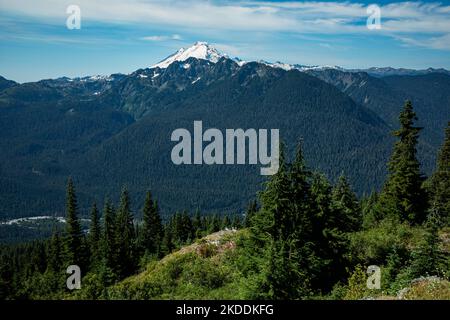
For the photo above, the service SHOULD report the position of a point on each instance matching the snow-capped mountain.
(203, 50)
(200, 50)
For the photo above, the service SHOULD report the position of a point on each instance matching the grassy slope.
(208, 269)
(202, 270)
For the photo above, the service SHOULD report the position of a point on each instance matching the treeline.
(306, 236)
(115, 247)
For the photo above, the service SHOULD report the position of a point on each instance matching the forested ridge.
(302, 237)
(107, 132)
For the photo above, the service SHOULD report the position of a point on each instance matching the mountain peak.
(200, 50)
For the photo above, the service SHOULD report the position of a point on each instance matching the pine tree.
(273, 217)
(236, 223)
(252, 208)
(55, 253)
(370, 211)
(197, 224)
(300, 198)
(125, 237)
(324, 234)
(439, 183)
(428, 259)
(226, 222)
(94, 236)
(109, 246)
(403, 196)
(167, 243)
(74, 235)
(275, 228)
(345, 206)
(214, 223)
(152, 231)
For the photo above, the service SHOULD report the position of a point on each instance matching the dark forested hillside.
(430, 94)
(106, 132)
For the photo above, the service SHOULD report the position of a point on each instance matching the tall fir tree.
(152, 231)
(197, 224)
(428, 259)
(252, 208)
(55, 253)
(273, 217)
(167, 243)
(403, 196)
(347, 211)
(125, 237)
(94, 237)
(274, 228)
(300, 197)
(439, 183)
(371, 214)
(74, 235)
(109, 238)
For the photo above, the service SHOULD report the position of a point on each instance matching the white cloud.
(401, 20)
(162, 38)
(440, 42)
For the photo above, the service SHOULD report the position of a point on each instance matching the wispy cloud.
(405, 21)
(162, 38)
(440, 43)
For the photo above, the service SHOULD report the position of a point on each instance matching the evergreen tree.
(94, 236)
(439, 183)
(403, 196)
(325, 237)
(167, 244)
(109, 246)
(55, 253)
(197, 224)
(275, 229)
(213, 223)
(370, 211)
(152, 230)
(273, 218)
(428, 258)
(226, 222)
(74, 235)
(236, 224)
(125, 237)
(346, 207)
(301, 200)
(251, 211)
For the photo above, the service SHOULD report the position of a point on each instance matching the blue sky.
(122, 36)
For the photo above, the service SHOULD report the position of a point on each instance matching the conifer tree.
(275, 228)
(109, 237)
(152, 230)
(236, 223)
(167, 244)
(371, 214)
(347, 211)
(252, 208)
(197, 224)
(439, 183)
(301, 199)
(403, 196)
(55, 253)
(323, 234)
(125, 237)
(94, 236)
(74, 235)
(428, 259)
(273, 217)
(214, 224)
(226, 222)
